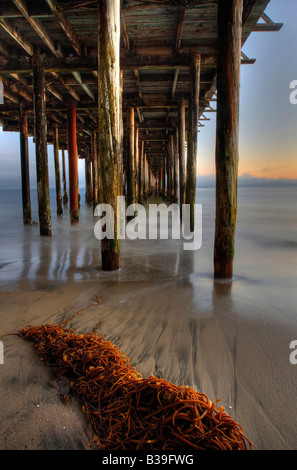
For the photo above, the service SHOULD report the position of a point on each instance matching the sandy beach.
(229, 340)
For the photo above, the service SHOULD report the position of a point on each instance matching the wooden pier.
(126, 86)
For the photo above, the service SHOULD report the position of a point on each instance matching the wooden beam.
(17, 36)
(65, 25)
(38, 28)
(49, 42)
(176, 73)
(180, 25)
(266, 27)
(87, 64)
(136, 73)
(25, 44)
(124, 32)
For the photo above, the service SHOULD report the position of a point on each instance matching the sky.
(268, 120)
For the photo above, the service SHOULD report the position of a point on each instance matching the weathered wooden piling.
(227, 137)
(171, 166)
(88, 180)
(130, 156)
(193, 116)
(65, 195)
(73, 163)
(40, 126)
(95, 169)
(140, 172)
(181, 149)
(25, 175)
(57, 170)
(136, 161)
(175, 165)
(109, 120)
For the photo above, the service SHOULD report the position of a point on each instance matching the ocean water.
(230, 340)
(265, 250)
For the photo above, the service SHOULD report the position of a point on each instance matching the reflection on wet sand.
(229, 340)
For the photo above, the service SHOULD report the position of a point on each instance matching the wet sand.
(229, 340)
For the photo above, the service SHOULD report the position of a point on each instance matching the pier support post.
(171, 166)
(193, 115)
(182, 154)
(40, 125)
(95, 168)
(109, 121)
(73, 163)
(227, 134)
(140, 173)
(144, 181)
(88, 177)
(130, 156)
(175, 164)
(24, 152)
(164, 177)
(65, 195)
(57, 171)
(136, 161)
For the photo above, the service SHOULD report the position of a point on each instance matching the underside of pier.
(127, 86)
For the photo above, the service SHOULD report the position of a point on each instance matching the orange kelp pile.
(125, 410)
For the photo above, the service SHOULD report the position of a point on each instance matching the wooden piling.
(175, 165)
(24, 154)
(65, 195)
(109, 121)
(145, 176)
(88, 179)
(227, 140)
(182, 154)
(73, 163)
(95, 169)
(164, 176)
(130, 156)
(136, 161)
(171, 166)
(193, 115)
(40, 125)
(57, 171)
(140, 172)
